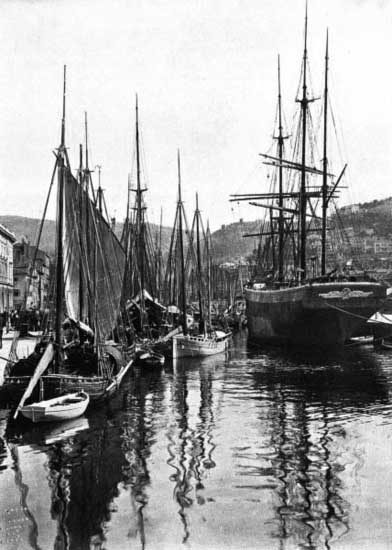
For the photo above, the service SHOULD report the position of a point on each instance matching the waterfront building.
(31, 283)
(7, 239)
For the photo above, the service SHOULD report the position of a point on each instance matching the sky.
(205, 75)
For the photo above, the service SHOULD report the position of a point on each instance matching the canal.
(261, 448)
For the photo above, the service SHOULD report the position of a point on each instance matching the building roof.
(7, 233)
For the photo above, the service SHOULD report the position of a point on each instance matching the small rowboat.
(148, 358)
(58, 409)
(386, 344)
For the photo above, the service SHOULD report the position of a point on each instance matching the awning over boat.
(147, 298)
(381, 318)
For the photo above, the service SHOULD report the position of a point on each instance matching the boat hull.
(318, 314)
(97, 387)
(197, 346)
(58, 409)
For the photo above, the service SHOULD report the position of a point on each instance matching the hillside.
(29, 227)
(229, 245)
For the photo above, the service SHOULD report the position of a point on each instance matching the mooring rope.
(354, 314)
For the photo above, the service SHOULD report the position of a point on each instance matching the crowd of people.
(21, 320)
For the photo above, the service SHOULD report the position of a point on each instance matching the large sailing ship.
(295, 296)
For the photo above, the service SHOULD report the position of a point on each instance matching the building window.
(16, 292)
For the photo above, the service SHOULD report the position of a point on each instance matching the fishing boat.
(204, 340)
(295, 297)
(89, 349)
(200, 345)
(142, 260)
(58, 409)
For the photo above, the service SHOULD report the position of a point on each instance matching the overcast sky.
(205, 73)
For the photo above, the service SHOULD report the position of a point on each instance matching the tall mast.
(59, 262)
(208, 235)
(88, 224)
(280, 201)
(302, 198)
(160, 258)
(139, 220)
(81, 286)
(325, 166)
(199, 274)
(181, 246)
(99, 192)
(86, 139)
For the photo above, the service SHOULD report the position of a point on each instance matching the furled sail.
(94, 262)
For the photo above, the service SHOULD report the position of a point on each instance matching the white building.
(7, 239)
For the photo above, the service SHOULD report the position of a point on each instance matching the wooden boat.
(89, 274)
(148, 358)
(295, 297)
(360, 341)
(206, 341)
(65, 407)
(200, 345)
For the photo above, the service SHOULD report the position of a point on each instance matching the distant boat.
(205, 340)
(148, 358)
(66, 407)
(294, 298)
(200, 345)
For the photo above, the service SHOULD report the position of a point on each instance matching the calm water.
(261, 449)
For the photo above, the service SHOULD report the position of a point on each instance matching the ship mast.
(325, 166)
(280, 200)
(99, 190)
(139, 222)
(181, 247)
(81, 286)
(59, 244)
(302, 196)
(208, 250)
(199, 274)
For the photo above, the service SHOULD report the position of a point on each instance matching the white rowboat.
(58, 409)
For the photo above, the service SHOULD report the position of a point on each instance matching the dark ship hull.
(313, 314)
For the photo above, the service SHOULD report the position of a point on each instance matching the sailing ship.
(142, 261)
(295, 298)
(204, 340)
(87, 349)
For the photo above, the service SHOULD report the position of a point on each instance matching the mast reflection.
(190, 437)
(308, 404)
(137, 424)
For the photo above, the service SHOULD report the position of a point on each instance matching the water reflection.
(308, 397)
(137, 437)
(264, 448)
(190, 437)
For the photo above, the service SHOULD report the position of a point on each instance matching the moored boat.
(200, 345)
(319, 314)
(58, 409)
(303, 291)
(90, 350)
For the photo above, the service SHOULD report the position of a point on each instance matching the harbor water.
(258, 448)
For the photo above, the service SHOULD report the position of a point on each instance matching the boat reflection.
(85, 464)
(190, 437)
(308, 407)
